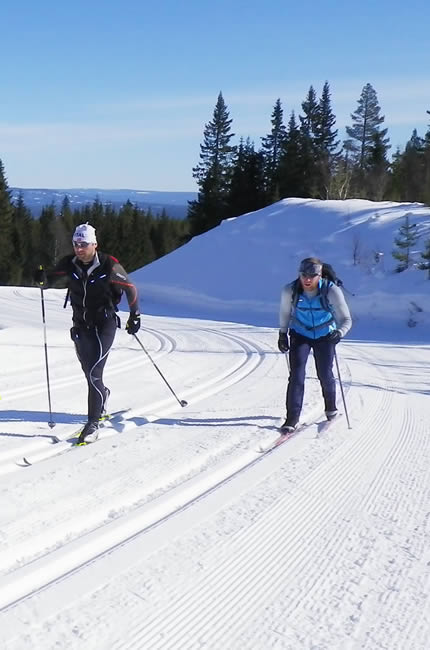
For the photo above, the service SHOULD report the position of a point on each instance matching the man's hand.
(334, 337)
(283, 343)
(133, 323)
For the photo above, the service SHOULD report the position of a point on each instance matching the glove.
(39, 276)
(133, 323)
(334, 337)
(283, 344)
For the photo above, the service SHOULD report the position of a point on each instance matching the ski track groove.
(97, 515)
(188, 623)
(254, 356)
(341, 473)
(115, 367)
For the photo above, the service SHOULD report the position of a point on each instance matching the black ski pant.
(300, 347)
(92, 346)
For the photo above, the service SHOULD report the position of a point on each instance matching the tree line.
(304, 158)
(134, 236)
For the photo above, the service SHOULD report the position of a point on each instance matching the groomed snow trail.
(320, 544)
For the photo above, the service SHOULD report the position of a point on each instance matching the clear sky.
(106, 94)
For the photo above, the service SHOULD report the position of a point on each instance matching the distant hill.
(175, 203)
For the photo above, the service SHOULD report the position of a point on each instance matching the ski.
(72, 441)
(283, 437)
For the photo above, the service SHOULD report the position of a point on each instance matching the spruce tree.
(213, 172)
(292, 165)
(6, 229)
(325, 143)
(247, 192)
(377, 166)
(408, 237)
(272, 146)
(24, 261)
(308, 134)
(409, 171)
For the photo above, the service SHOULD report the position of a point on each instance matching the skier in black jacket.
(95, 283)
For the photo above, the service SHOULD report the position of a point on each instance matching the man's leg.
(324, 355)
(92, 348)
(299, 352)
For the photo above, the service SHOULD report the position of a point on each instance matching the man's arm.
(120, 279)
(285, 308)
(341, 311)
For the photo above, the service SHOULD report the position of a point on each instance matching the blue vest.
(311, 317)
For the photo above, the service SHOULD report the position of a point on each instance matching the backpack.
(328, 275)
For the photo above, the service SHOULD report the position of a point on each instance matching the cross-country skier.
(318, 320)
(95, 283)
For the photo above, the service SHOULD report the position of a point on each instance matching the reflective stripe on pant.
(300, 347)
(92, 348)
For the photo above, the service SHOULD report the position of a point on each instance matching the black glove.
(283, 344)
(334, 337)
(133, 323)
(39, 276)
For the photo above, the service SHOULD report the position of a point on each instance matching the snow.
(173, 531)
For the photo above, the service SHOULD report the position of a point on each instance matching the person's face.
(309, 282)
(84, 251)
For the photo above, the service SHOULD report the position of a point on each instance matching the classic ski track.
(251, 572)
(188, 618)
(115, 367)
(253, 356)
(34, 446)
(65, 522)
(197, 498)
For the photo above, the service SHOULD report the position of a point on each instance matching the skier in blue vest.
(318, 317)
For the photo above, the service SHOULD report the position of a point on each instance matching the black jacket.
(95, 289)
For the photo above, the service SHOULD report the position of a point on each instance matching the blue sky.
(113, 95)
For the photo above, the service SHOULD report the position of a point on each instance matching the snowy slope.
(236, 271)
(173, 531)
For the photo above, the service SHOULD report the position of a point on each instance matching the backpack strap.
(295, 289)
(325, 286)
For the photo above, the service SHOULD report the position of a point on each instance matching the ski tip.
(26, 462)
(54, 440)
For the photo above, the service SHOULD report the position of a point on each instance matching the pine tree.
(48, 248)
(24, 261)
(366, 122)
(325, 143)
(6, 230)
(292, 167)
(409, 170)
(308, 134)
(247, 192)
(408, 237)
(272, 146)
(213, 172)
(377, 166)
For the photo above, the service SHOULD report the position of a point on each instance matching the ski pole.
(51, 422)
(182, 402)
(341, 390)
(288, 362)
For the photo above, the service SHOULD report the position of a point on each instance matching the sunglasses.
(80, 244)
